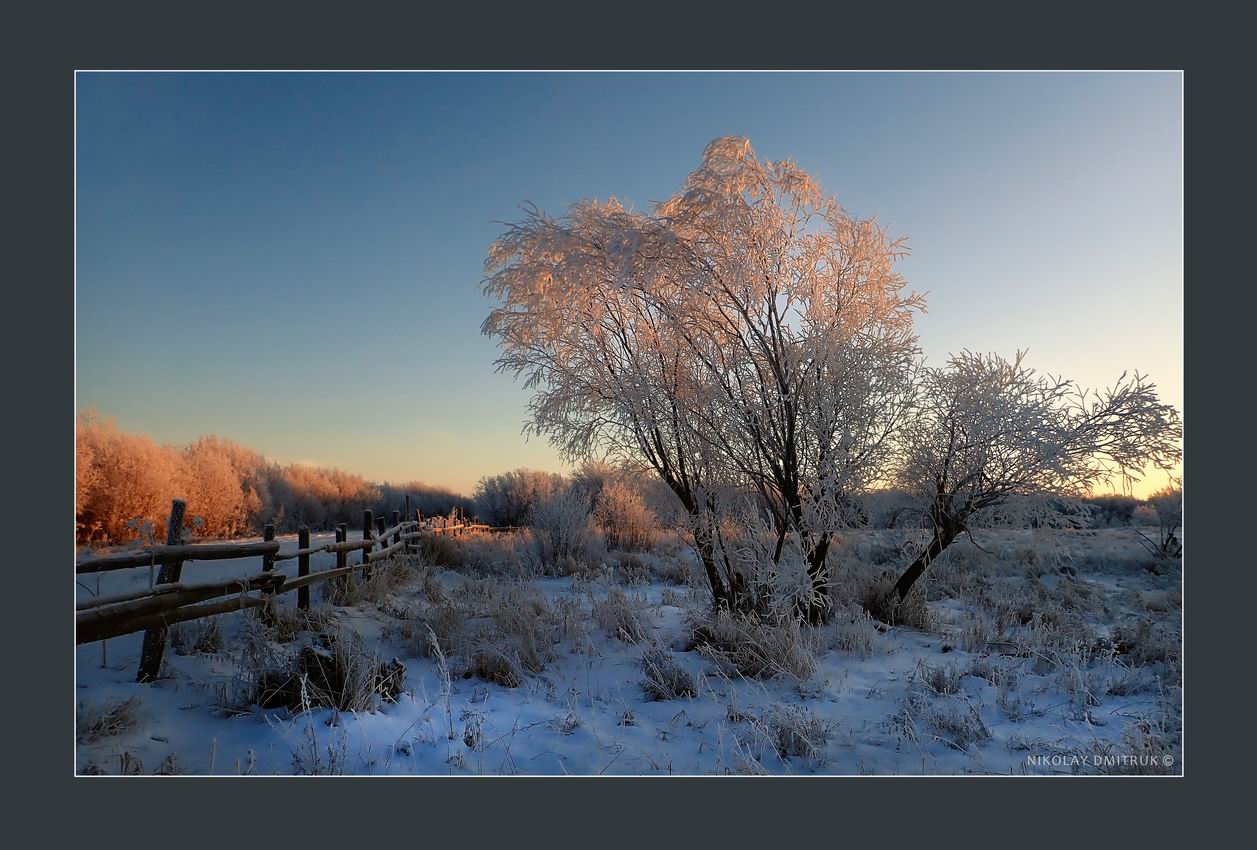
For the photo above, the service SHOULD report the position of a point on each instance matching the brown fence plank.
(89, 625)
(165, 619)
(171, 554)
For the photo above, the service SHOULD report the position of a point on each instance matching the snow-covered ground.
(1052, 652)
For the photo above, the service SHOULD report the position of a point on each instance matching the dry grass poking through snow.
(953, 721)
(332, 667)
(664, 678)
(795, 732)
(620, 616)
(93, 722)
(1030, 645)
(745, 645)
(495, 631)
(385, 578)
(196, 638)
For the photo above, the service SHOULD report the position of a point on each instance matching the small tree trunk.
(819, 608)
(719, 593)
(781, 541)
(944, 534)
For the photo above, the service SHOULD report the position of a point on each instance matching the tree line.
(124, 484)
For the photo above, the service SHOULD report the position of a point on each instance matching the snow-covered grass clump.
(1044, 651)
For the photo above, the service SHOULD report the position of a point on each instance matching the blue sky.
(253, 248)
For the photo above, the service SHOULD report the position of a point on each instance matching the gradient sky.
(254, 249)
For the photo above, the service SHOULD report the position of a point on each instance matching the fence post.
(154, 646)
(267, 611)
(411, 546)
(380, 522)
(339, 586)
(397, 517)
(268, 560)
(367, 522)
(303, 568)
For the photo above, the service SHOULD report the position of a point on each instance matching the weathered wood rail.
(170, 601)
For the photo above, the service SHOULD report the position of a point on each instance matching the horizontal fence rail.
(170, 601)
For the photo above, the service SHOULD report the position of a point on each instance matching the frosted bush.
(562, 530)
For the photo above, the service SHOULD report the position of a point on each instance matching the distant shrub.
(593, 476)
(509, 498)
(623, 518)
(892, 509)
(1165, 510)
(561, 526)
(1111, 510)
(429, 500)
(670, 570)
(496, 552)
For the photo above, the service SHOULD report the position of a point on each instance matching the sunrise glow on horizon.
(252, 249)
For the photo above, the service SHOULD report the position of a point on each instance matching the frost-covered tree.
(749, 332)
(794, 315)
(582, 321)
(990, 437)
(1166, 509)
(128, 482)
(217, 491)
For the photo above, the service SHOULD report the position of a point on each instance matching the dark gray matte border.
(55, 41)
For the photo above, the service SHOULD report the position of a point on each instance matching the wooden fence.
(169, 600)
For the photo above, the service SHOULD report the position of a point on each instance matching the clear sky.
(253, 249)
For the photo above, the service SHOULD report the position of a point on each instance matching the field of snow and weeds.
(1042, 652)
